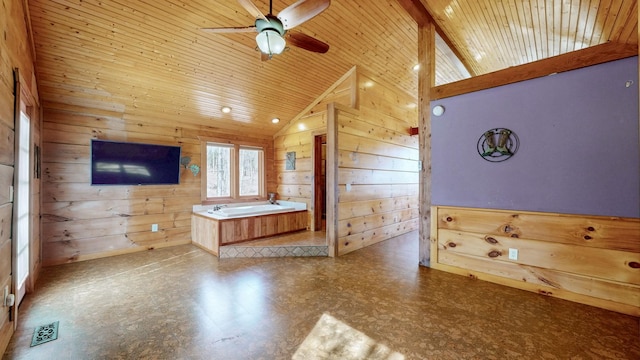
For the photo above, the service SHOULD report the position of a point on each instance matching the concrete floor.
(183, 303)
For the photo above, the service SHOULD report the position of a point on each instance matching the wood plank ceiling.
(148, 59)
(492, 35)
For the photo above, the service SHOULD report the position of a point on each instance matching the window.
(250, 172)
(233, 171)
(218, 171)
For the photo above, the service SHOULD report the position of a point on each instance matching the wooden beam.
(422, 17)
(331, 173)
(417, 11)
(570, 61)
(426, 81)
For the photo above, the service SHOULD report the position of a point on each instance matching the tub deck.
(212, 233)
(252, 210)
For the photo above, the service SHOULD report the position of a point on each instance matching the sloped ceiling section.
(149, 59)
(144, 59)
(491, 35)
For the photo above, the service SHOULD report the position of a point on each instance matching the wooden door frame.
(22, 96)
(319, 189)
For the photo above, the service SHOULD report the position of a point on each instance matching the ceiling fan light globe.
(270, 42)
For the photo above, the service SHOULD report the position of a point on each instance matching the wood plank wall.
(15, 52)
(297, 185)
(81, 221)
(375, 155)
(378, 166)
(593, 260)
(10, 57)
(35, 236)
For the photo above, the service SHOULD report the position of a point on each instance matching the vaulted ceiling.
(150, 59)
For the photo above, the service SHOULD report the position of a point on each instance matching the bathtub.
(240, 211)
(236, 223)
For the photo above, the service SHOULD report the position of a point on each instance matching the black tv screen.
(127, 163)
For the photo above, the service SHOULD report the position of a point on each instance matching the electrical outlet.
(513, 254)
(154, 227)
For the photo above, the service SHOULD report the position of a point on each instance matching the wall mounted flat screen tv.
(128, 163)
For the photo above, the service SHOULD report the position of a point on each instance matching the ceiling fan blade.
(239, 29)
(306, 42)
(301, 11)
(252, 9)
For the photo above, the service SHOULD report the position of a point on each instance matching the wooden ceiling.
(492, 35)
(148, 59)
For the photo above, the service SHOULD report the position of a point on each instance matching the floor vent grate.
(45, 333)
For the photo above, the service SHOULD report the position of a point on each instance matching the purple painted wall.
(579, 144)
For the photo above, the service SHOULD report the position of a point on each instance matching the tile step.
(230, 251)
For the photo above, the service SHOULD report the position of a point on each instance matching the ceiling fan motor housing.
(273, 23)
(272, 29)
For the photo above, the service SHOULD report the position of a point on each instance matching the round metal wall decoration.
(498, 144)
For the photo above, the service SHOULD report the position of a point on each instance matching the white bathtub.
(240, 211)
(239, 222)
(250, 209)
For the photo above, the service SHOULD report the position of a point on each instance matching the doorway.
(319, 182)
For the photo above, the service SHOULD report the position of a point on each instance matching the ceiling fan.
(272, 30)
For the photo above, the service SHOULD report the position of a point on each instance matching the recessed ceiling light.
(416, 67)
(226, 109)
(275, 120)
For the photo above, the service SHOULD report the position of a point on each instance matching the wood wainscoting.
(593, 260)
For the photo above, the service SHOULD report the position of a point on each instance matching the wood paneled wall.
(593, 260)
(377, 180)
(15, 52)
(297, 185)
(7, 161)
(298, 136)
(373, 153)
(377, 166)
(35, 231)
(83, 222)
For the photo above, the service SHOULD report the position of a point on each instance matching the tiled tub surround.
(296, 244)
(232, 251)
(211, 229)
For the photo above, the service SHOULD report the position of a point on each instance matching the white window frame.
(235, 171)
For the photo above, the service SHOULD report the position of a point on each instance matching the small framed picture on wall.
(291, 161)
